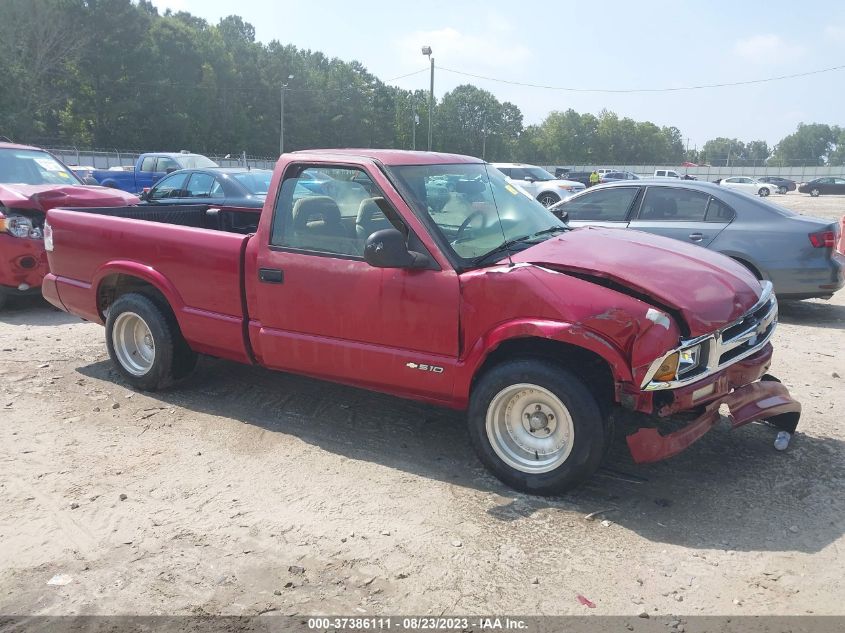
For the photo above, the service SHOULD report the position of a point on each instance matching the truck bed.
(193, 254)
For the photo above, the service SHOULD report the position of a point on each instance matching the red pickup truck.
(31, 182)
(483, 301)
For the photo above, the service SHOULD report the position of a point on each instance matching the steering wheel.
(465, 224)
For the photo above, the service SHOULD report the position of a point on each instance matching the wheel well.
(749, 266)
(589, 366)
(113, 286)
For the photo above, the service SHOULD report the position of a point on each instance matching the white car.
(749, 185)
(666, 173)
(539, 183)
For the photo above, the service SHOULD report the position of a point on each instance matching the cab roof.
(18, 146)
(391, 157)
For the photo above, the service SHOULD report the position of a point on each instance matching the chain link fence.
(796, 172)
(107, 159)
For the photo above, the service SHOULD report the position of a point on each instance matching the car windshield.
(257, 181)
(539, 174)
(475, 210)
(196, 161)
(33, 167)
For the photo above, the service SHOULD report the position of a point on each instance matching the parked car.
(490, 304)
(31, 182)
(539, 183)
(580, 176)
(85, 173)
(823, 186)
(149, 169)
(795, 252)
(613, 176)
(230, 187)
(666, 173)
(749, 185)
(784, 185)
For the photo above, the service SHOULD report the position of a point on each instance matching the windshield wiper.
(524, 240)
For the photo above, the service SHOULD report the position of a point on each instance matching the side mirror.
(144, 194)
(387, 249)
(560, 214)
(529, 179)
(90, 180)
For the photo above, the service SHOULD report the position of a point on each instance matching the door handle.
(696, 237)
(271, 275)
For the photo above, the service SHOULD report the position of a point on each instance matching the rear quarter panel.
(197, 270)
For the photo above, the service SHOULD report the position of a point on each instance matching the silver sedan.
(797, 253)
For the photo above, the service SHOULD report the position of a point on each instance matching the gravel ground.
(246, 492)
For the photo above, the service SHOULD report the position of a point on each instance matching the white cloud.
(490, 46)
(766, 49)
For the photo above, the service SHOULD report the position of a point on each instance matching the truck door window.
(169, 187)
(329, 210)
(608, 205)
(148, 164)
(674, 205)
(199, 185)
(164, 163)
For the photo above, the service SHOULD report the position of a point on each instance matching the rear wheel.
(145, 343)
(815, 193)
(782, 190)
(548, 199)
(536, 426)
(764, 191)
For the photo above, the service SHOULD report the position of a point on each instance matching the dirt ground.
(247, 492)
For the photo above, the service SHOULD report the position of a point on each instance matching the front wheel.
(548, 199)
(536, 426)
(764, 191)
(815, 193)
(782, 190)
(145, 343)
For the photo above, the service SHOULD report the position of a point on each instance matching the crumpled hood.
(707, 289)
(46, 197)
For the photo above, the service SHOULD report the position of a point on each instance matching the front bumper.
(757, 401)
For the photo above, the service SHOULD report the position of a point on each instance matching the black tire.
(3, 298)
(815, 193)
(547, 199)
(589, 432)
(764, 192)
(782, 190)
(172, 358)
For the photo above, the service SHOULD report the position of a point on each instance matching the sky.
(607, 45)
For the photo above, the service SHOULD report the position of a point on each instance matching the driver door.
(318, 308)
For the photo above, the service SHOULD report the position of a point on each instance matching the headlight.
(689, 359)
(565, 187)
(668, 369)
(17, 225)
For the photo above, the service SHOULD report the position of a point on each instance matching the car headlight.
(565, 187)
(689, 359)
(16, 225)
(678, 364)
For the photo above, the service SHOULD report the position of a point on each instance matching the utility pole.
(426, 50)
(282, 118)
(414, 121)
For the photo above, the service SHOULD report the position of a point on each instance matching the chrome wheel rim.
(529, 428)
(133, 343)
(814, 192)
(547, 200)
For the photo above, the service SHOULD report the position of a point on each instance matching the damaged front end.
(23, 262)
(707, 372)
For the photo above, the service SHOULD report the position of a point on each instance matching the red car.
(487, 303)
(33, 181)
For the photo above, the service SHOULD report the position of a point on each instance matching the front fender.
(569, 333)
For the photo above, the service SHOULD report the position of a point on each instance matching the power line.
(633, 90)
(416, 72)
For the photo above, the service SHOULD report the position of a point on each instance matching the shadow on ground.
(731, 490)
(817, 313)
(34, 311)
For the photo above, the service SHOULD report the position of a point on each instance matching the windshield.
(196, 161)
(256, 182)
(33, 167)
(476, 211)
